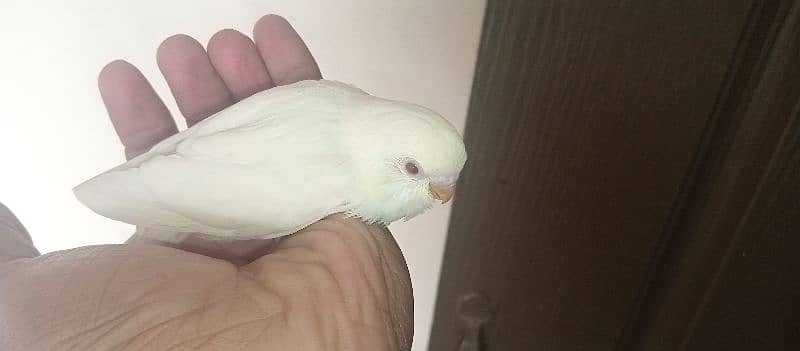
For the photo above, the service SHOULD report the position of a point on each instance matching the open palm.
(337, 285)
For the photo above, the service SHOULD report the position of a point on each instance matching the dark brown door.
(633, 182)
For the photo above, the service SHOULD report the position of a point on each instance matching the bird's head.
(406, 158)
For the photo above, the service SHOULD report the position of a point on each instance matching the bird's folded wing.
(264, 167)
(179, 194)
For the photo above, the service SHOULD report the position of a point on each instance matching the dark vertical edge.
(436, 332)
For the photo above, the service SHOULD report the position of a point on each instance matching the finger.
(237, 252)
(139, 116)
(196, 85)
(286, 56)
(148, 298)
(363, 262)
(15, 242)
(236, 59)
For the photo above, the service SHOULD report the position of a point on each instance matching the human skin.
(337, 285)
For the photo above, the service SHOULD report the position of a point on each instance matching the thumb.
(15, 242)
(362, 263)
(238, 252)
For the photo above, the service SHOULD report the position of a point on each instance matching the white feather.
(274, 163)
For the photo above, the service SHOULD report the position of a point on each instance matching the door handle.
(474, 311)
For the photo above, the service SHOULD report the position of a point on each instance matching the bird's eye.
(412, 168)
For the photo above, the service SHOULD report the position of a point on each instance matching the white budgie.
(282, 159)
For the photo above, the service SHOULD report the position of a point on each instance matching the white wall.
(54, 133)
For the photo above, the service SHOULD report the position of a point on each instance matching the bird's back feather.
(267, 166)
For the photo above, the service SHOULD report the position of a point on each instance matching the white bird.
(283, 159)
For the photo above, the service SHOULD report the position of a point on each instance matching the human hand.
(337, 285)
